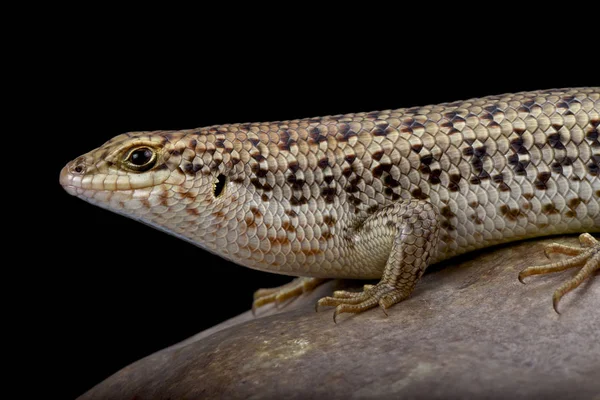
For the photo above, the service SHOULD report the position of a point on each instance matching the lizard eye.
(140, 159)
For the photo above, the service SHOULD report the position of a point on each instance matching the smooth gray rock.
(470, 330)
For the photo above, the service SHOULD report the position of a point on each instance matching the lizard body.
(367, 195)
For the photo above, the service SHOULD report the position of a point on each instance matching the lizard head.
(123, 164)
(177, 181)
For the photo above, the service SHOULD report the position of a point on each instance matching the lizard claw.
(555, 300)
(383, 308)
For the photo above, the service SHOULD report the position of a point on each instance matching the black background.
(115, 290)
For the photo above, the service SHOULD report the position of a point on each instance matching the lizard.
(374, 195)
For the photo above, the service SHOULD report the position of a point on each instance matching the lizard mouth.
(66, 181)
(76, 178)
(93, 192)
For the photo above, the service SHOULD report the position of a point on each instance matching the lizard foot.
(587, 255)
(383, 295)
(282, 293)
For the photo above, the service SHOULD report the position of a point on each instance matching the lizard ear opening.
(219, 185)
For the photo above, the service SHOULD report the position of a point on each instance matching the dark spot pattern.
(326, 235)
(317, 136)
(288, 226)
(347, 132)
(550, 209)
(191, 168)
(298, 201)
(510, 214)
(328, 220)
(377, 155)
(519, 166)
(454, 181)
(542, 180)
(296, 183)
(389, 181)
(418, 194)
(555, 142)
(518, 147)
(426, 159)
(446, 212)
(594, 166)
(434, 177)
(445, 224)
(329, 194)
(380, 169)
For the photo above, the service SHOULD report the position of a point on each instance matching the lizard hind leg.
(415, 229)
(587, 256)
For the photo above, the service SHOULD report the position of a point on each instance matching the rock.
(470, 329)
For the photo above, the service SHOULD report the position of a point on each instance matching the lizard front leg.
(414, 229)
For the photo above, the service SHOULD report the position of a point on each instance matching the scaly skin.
(367, 195)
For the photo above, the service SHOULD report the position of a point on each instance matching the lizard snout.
(75, 168)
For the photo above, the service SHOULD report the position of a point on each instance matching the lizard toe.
(587, 257)
(280, 294)
(383, 295)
